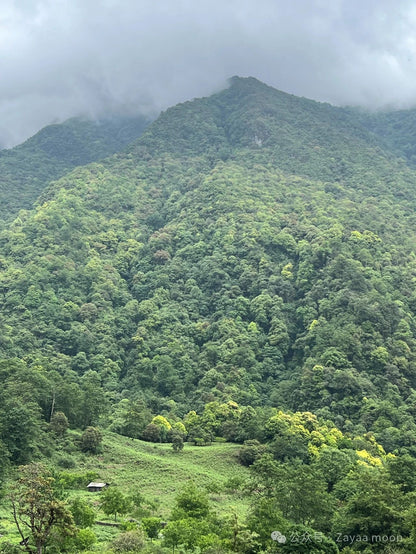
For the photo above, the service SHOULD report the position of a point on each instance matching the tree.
(37, 510)
(152, 433)
(91, 440)
(59, 423)
(241, 538)
(190, 533)
(152, 526)
(250, 452)
(177, 441)
(175, 533)
(82, 513)
(373, 507)
(191, 503)
(20, 428)
(4, 462)
(299, 491)
(163, 426)
(114, 502)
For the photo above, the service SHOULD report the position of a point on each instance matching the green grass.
(154, 470)
(159, 473)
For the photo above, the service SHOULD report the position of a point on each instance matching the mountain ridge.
(27, 168)
(196, 241)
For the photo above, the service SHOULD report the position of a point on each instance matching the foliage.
(91, 440)
(84, 539)
(130, 541)
(191, 503)
(37, 510)
(177, 441)
(243, 272)
(27, 169)
(152, 526)
(114, 502)
(59, 423)
(282, 282)
(250, 452)
(83, 514)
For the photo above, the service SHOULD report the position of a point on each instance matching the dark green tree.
(91, 440)
(59, 423)
(177, 441)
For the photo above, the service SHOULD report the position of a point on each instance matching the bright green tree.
(114, 502)
(152, 526)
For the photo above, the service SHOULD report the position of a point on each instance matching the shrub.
(152, 526)
(82, 513)
(250, 452)
(85, 539)
(130, 541)
(91, 440)
(59, 423)
(66, 462)
(152, 433)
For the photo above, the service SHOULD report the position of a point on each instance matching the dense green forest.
(245, 272)
(28, 168)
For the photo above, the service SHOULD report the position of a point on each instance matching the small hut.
(96, 487)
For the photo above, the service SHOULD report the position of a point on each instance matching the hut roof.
(97, 484)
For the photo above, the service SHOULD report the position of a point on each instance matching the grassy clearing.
(159, 473)
(154, 470)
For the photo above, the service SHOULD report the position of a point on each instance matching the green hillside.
(396, 130)
(27, 169)
(180, 270)
(244, 271)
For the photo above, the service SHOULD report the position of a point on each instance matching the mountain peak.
(301, 135)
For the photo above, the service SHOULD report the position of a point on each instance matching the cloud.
(69, 57)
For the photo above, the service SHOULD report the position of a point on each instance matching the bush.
(128, 525)
(66, 462)
(59, 424)
(177, 442)
(91, 440)
(250, 452)
(152, 526)
(234, 484)
(152, 433)
(83, 514)
(85, 539)
(131, 541)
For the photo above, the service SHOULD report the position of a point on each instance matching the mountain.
(244, 271)
(396, 130)
(251, 246)
(28, 168)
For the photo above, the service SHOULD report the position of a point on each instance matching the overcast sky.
(60, 58)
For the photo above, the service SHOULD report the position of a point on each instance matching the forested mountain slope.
(251, 246)
(396, 130)
(27, 169)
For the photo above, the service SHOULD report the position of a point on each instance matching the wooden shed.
(96, 487)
